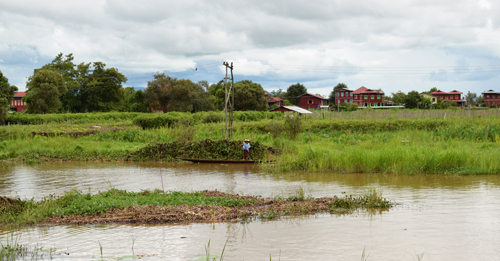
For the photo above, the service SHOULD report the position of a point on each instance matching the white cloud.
(321, 42)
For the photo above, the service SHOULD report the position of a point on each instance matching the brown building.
(453, 96)
(311, 101)
(491, 98)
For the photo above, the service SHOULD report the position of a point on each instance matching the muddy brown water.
(439, 217)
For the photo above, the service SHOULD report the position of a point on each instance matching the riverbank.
(120, 206)
(435, 142)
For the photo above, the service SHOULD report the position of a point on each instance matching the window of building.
(371, 104)
(351, 94)
(487, 96)
(378, 97)
(366, 104)
(350, 101)
(378, 104)
(456, 97)
(309, 101)
(366, 97)
(356, 97)
(373, 97)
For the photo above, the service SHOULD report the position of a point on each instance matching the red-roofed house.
(343, 95)
(367, 97)
(453, 96)
(308, 101)
(17, 104)
(266, 95)
(275, 100)
(491, 98)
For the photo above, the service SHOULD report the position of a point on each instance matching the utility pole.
(228, 102)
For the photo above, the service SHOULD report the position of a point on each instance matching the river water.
(437, 217)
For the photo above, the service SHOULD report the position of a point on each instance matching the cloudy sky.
(388, 44)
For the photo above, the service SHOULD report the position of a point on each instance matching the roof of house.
(441, 92)
(363, 89)
(266, 93)
(320, 97)
(343, 90)
(490, 91)
(295, 109)
(274, 99)
(19, 94)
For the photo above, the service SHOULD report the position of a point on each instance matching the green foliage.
(44, 90)
(161, 120)
(91, 87)
(294, 91)
(248, 96)
(413, 100)
(205, 149)
(293, 126)
(6, 95)
(28, 119)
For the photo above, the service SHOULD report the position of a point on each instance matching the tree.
(279, 93)
(203, 101)
(339, 86)
(212, 90)
(471, 98)
(181, 95)
(294, 91)
(7, 92)
(69, 71)
(91, 87)
(44, 90)
(413, 100)
(398, 98)
(247, 96)
(102, 89)
(157, 90)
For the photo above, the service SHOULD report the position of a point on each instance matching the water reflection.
(444, 217)
(37, 181)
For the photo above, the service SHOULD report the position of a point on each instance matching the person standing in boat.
(246, 149)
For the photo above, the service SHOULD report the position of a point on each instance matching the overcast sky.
(392, 45)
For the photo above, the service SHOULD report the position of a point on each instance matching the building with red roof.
(491, 98)
(453, 96)
(311, 101)
(367, 97)
(17, 104)
(343, 96)
(275, 100)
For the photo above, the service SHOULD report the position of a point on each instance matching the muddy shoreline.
(263, 208)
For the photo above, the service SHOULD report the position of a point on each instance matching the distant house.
(367, 97)
(491, 98)
(453, 96)
(311, 101)
(266, 95)
(343, 96)
(433, 99)
(275, 100)
(17, 104)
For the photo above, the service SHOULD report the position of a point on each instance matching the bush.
(293, 126)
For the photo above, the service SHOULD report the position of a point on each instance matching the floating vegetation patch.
(205, 149)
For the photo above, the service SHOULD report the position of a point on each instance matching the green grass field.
(447, 142)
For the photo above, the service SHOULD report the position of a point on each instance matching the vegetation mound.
(204, 149)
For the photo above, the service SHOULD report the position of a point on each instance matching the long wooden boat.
(218, 161)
